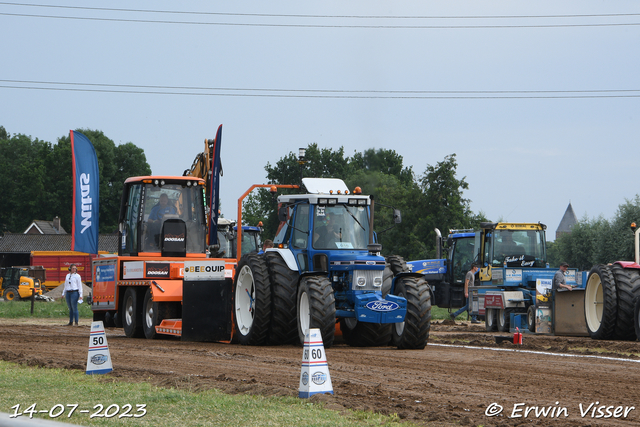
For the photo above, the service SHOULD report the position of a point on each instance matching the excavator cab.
(162, 215)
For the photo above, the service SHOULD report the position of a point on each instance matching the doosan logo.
(85, 189)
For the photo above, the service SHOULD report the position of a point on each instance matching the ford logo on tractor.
(382, 306)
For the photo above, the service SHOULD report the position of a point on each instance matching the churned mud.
(461, 378)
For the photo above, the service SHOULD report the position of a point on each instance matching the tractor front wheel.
(132, 316)
(11, 294)
(252, 301)
(316, 308)
(490, 320)
(413, 333)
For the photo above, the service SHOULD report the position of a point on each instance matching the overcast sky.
(538, 100)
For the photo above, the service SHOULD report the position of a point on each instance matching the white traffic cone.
(314, 377)
(98, 359)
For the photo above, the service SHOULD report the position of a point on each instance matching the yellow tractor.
(15, 284)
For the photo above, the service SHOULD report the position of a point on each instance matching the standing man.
(468, 281)
(559, 281)
(73, 293)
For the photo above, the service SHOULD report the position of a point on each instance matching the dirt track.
(454, 381)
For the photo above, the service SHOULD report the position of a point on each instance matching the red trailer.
(56, 264)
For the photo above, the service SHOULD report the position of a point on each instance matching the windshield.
(173, 201)
(340, 227)
(519, 248)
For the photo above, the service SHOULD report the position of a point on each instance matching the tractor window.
(340, 227)
(301, 227)
(173, 201)
(519, 248)
(129, 243)
(462, 258)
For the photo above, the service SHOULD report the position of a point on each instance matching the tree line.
(598, 240)
(432, 199)
(36, 179)
(36, 183)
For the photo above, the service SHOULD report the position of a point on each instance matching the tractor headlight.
(361, 281)
(377, 282)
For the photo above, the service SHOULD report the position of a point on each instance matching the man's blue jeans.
(72, 303)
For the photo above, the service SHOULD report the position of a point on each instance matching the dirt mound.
(57, 292)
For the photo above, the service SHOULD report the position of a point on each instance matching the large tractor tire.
(413, 333)
(394, 265)
(132, 316)
(316, 308)
(627, 288)
(490, 321)
(252, 300)
(284, 285)
(503, 319)
(636, 316)
(154, 313)
(531, 318)
(362, 334)
(11, 294)
(601, 303)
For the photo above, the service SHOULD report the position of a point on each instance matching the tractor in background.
(17, 283)
(612, 298)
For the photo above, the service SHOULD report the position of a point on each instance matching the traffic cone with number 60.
(314, 377)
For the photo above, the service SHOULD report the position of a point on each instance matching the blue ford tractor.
(326, 268)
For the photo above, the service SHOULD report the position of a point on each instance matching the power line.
(406, 27)
(271, 15)
(589, 91)
(327, 95)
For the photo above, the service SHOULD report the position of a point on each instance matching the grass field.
(55, 389)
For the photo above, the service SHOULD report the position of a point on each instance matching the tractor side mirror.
(397, 216)
(282, 214)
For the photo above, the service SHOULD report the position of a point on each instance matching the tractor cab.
(511, 245)
(163, 215)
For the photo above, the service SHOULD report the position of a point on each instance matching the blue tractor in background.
(326, 268)
(514, 279)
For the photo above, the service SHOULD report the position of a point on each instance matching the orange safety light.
(357, 190)
(259, 223)
(273, 189)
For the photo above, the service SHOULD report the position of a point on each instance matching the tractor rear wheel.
(627, 287)
(601, 303)
(132, 316)
(284, 282)
(413, 333)
(362, 334)
(316, 308)
(490, 320)
(11, 294)
(252, 300)
(394, 265)
(636, 317)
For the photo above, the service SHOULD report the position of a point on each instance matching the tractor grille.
(372, 280)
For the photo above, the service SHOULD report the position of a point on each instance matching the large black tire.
(636, 316)
(109, 320)
(413, 333)
(361, 334)
(394, 265)
(284, 285)
(132, 315)
(601, 303)
(252, 300)
(154, 313)
(627, 288)
(316, 308)
(503, 319)
(490, 320)
(11, 294)
(531, 318)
